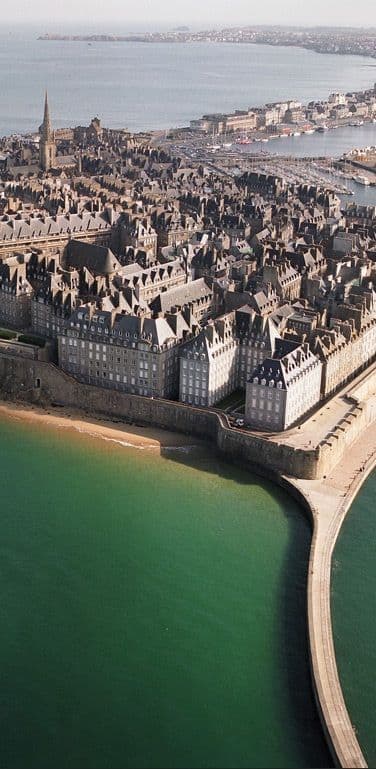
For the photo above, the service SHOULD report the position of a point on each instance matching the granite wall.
(36, 382)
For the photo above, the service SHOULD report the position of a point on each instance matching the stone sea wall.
(36, 382)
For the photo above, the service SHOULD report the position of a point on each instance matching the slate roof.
(98, 259)
(289, 361)
(28, 228)
(181, 295)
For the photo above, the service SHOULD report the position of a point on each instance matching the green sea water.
(354, 615)
(153, 610)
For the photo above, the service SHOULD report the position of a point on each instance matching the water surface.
(145, 86)
(153, 611)
(354, 615)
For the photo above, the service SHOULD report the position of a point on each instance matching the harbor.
(320, 158)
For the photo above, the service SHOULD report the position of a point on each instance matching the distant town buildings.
(341, 40)
(289, 117)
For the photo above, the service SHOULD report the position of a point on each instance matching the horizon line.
(189, 24)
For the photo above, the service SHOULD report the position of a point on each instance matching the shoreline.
(189, 37)
(113, 431)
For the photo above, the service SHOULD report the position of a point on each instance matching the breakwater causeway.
(328, 503)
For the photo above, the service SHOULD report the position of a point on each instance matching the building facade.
(208, 364)
(124, 352)
(283, 388)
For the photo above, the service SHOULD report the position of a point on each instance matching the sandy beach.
(97, 427)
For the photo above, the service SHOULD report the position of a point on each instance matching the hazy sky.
(165, 13)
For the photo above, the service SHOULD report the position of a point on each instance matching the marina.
(336, 173)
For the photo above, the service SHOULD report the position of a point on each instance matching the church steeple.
(47, 146)
(46, 125)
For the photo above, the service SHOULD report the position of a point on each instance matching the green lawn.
(30, 339)
(9, 334)
(6, 333)
(230, 402)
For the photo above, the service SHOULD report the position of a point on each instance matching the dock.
(329, 500)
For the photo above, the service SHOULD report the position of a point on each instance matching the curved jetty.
(329, 500)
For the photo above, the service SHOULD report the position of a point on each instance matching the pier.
(329, 500)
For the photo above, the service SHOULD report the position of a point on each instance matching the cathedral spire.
(46, 125)
(47, 146)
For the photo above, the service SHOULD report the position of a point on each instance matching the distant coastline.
(336, 40)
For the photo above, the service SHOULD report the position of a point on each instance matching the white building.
(208, 364)
(283, 388)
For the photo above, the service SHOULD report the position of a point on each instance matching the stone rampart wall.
(43, 383)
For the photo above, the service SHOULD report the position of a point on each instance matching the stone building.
(15, 294)
(138, 233)
(197, 296)
(256, 335)
(284, 278)
(344, 350)
(54, 302)
(148, 283)
(36, 230)
(99, 260)
(283, 388)
(173, 227)
(124, 352)
(208, 364)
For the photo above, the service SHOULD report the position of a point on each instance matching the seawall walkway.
(329, 501)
